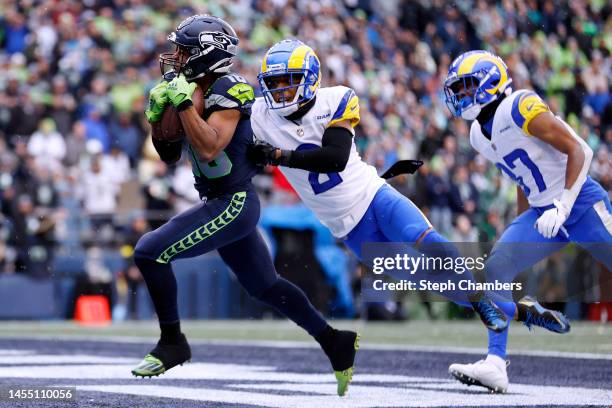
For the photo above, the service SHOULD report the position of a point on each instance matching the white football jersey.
(536, 166)
(339, 200)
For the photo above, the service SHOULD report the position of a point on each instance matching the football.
(170, 127)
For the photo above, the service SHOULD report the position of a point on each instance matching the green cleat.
(149, 367)
(345, 377)
(340, 346)
(162, 358)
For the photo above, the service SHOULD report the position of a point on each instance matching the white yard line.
(311, 344)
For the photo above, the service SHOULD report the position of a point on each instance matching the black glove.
(263, 153)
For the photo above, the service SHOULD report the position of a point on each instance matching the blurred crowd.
(77, 166)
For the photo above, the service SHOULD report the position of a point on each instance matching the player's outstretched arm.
(332, 156)
(558, 134)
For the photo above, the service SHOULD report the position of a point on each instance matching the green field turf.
(584, 337)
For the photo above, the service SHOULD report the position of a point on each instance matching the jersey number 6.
(313, 178)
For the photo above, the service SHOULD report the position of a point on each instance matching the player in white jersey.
(557, 201)
(308, 132)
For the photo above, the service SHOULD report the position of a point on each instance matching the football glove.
(551, 221)
(157, 102)
(263, 153)
(179, 90)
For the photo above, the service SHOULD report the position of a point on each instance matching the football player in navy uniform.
(226, 219)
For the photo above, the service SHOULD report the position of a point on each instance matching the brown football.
(169, 128)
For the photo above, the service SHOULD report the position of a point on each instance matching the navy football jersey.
(230, 170)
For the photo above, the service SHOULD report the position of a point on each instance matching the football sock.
(162, 287)
(498, 343)
(289, 300)
(170, 332)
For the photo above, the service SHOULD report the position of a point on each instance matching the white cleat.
(489, 373)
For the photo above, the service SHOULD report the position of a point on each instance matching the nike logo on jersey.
(530, 106)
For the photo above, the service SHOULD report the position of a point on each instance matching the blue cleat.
(491, 315)
(532, 313)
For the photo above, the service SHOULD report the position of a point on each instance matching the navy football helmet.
(205, 44)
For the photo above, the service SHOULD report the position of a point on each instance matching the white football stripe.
(191, 371)
(61, 359)
(260, 385)
(367, 396)
(10, 352)
(284, 344)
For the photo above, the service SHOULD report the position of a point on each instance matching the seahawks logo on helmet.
(218, 40)
(210, 42)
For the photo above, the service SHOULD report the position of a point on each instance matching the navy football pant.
(228, 224)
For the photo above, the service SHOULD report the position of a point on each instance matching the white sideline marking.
(10, 352)
(264, 385)
(366, 396)
(60, 359)
(283, 344)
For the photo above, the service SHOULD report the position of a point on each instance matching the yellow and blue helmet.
(299, 65)
(474, 80)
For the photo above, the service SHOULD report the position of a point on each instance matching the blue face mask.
(461, 97)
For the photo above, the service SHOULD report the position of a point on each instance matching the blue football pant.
(522, 246)
(392, 217)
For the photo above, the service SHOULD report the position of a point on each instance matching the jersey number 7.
(523, 157)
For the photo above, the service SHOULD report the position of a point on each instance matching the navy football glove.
(263, 153)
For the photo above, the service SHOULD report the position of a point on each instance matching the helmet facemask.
(466, 96)
(461, 96)
(177, 60)
(286, 91)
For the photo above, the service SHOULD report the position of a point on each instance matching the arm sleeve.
(331, 157)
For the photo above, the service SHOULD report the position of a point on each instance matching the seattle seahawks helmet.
(474, 80)
(210, 44)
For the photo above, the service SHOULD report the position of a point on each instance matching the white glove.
(552, 220)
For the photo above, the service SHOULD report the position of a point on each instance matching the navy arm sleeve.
(331, 157)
